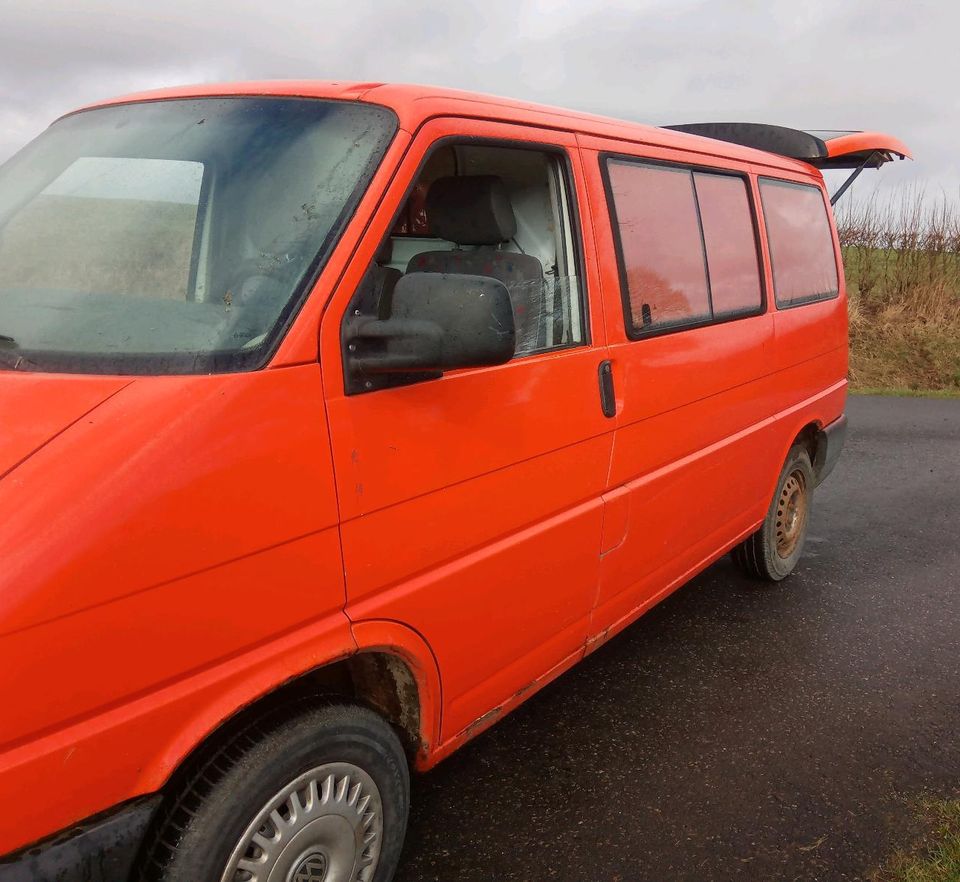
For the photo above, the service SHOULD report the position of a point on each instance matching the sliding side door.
(690, 339)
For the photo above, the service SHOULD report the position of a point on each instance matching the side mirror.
(437, 321)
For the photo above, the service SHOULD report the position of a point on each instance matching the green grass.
(935, 855)
(901, 392)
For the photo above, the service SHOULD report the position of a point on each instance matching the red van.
(337, 419)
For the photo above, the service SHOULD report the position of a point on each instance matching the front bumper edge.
(102, 849)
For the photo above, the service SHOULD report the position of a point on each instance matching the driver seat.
(475, 210)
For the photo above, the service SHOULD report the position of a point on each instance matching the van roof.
(415, 104)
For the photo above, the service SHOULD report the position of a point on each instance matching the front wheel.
(316, 796)
(773, 551)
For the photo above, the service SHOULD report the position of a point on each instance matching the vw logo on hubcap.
(313, 868)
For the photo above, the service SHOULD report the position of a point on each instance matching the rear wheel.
(773, 551)
(316, 796)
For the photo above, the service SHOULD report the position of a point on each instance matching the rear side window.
(730, 239)
(686, 244)
(661, 250)
(801, 244)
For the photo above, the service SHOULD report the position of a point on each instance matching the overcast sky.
(864, 64)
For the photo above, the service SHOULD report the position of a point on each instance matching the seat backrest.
(475, 210)
(385, 278)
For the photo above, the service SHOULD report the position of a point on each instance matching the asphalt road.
(742, 732)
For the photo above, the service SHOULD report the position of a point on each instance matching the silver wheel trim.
(325, 826)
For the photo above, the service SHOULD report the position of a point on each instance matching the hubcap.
(326, 826)
(313, 868)
(791, 513)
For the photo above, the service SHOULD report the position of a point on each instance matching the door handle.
(608, 399)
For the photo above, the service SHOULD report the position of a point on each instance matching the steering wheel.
(254, 281)
(263, 268)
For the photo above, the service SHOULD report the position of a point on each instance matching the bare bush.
(902, 257)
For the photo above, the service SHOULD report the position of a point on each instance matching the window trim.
(565, 166)
(631, 331)
(812, 298)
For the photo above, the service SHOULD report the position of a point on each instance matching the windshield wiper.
(9, 357)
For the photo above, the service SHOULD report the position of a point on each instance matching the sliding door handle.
(608, 399)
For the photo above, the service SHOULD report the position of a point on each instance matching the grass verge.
(935, 855)
(902, 264)
(900, 392)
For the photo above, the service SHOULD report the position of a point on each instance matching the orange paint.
(175, 547)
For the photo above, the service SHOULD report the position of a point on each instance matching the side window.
(661, 250)
(801, 244)
(730, 239)
(496, 211)
(687, 245)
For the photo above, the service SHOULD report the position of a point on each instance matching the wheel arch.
(407, 654)
(805, 430)
(808, 423)
(809, 437)
(814, 436)
(391, 670)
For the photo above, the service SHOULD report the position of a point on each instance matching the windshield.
(175, 236)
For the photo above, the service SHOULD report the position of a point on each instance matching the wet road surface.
(735, 731)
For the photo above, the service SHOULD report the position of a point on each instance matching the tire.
(773, 551)
(336, 780)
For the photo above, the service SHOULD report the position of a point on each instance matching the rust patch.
(388, 685)
(488, 719)
(525, 690)
(598, 638)
(491, 716)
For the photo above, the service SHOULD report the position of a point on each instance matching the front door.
(471, 503)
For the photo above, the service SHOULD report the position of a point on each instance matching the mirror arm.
(391, 329)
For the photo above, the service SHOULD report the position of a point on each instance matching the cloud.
(879, 65)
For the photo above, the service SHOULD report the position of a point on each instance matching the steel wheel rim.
(792, 510)
(325, 826)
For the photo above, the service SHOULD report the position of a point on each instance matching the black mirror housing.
(437, 321)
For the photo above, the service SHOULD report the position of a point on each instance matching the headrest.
(470, 210)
